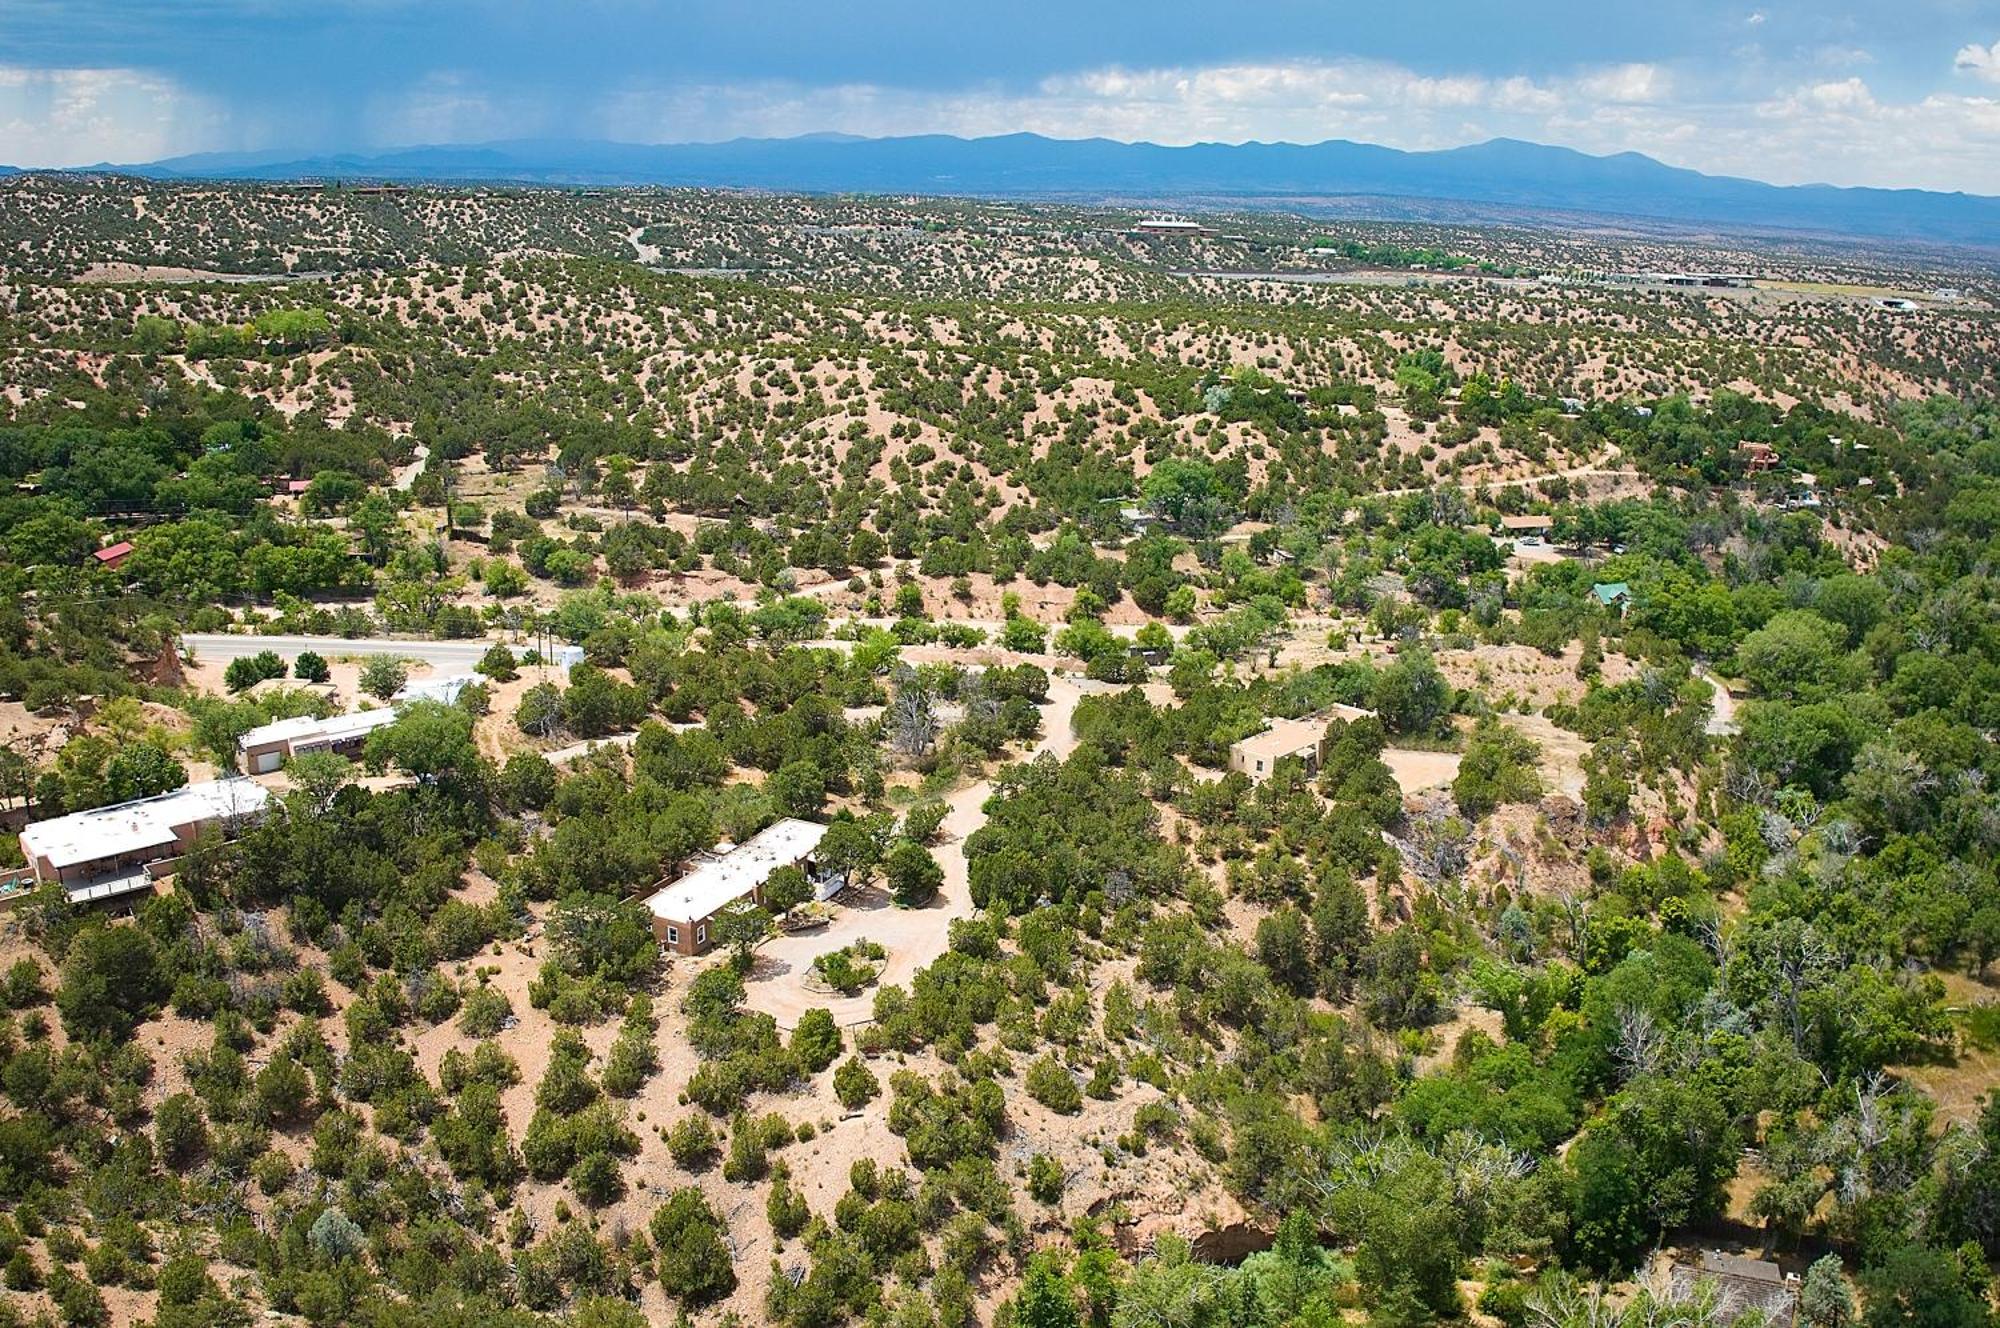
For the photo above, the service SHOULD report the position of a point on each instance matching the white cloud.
(1828, 127)
(1827, 130)
(67, 117)
(1626, 83)
(1979, 61)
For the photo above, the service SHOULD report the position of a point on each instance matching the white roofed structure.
(265, 748)
(106, 851)
(444, 689)
(682, 908)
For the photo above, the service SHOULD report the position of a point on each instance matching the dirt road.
(913, 936)
(1722, 719)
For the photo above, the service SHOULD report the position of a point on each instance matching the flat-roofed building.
(266, 748)
(1258, 755)
(111, 851)
(684, 909)
(1172, 226)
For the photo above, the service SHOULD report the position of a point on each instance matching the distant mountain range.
(1502, 173)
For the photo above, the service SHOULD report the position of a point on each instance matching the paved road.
(456, 655)
(913, 936)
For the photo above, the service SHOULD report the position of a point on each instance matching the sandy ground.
(1562, 752)
(1416, 771)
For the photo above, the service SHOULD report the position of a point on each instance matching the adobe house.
(684, 909)
(110, 852)
(264, 749)
(1757, 457)
(1258, 755)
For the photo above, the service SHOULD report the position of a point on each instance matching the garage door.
(266, 762)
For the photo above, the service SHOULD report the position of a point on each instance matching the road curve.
(913, 936)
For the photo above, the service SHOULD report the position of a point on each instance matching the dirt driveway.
(912, 936)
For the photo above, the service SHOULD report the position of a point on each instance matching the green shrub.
(1051, 1085)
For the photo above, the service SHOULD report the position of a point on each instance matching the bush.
(843, 971)
(816, 1041)
(694, 1263)
(310, 666)
(923, 821)
(1045, 1178)
(383, 676)
(855, 1084)
(498, 663)
(245, 673)
(913, 874)
(693, 1143)
(786, 1207)
(1051, 1085)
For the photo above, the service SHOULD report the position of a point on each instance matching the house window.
(673, 936)
(1260, 767)
(701, 934)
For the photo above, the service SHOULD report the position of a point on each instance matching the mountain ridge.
(1502, 172)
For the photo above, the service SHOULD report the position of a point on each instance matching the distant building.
(1743, 1286)
(109, 852)
(684, 909)
(113, 555)
(1612, 594)
(1757, 457)
(1171, 226)
(266, 748)
(1530, 526)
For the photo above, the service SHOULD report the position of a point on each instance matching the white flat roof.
(730, 876)
(132, 827)
(306, 730)
(437, 689)
(1284, 738)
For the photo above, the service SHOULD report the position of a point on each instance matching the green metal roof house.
(1612, 594)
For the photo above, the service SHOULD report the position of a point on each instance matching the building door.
(265, 762)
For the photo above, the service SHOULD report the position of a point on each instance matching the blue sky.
(1854, 92)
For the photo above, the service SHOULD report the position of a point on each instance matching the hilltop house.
(684, 909)
(1258, 755)
(1528, 527)
(1613, 595)
(1757, 457)
(114, 555)
(109, 852)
